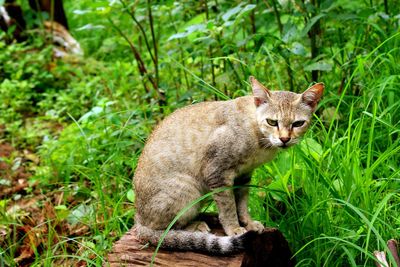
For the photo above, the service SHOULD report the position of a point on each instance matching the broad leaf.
(189, 30)
(321, 65)
(298, 49)
(311, 147)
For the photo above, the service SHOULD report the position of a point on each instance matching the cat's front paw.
(236, 231)
(255, 226)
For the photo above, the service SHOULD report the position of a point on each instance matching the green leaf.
(89, 27)
(196, 20)
(130, 195)
(231, 12)
(196, 28)
(3, 203)
(178, 35)
(62, 212)
(189, 30)
(239, 10)
(298, 49)
(246, 9)
(290, 33)
(61, 207)
(311, 147)
(94, 112)
(89, 244)
(345, 16)
(81, 213)
(321, 65)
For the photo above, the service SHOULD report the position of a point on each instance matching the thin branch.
(278, 17)
(313, 33)
(154, 41)
(141, 66)
(140, 28)
(385, 2)
(285, 57)
(181, 52)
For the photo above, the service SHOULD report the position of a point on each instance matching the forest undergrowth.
(71, 130)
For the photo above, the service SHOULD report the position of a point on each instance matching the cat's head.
(283, 117)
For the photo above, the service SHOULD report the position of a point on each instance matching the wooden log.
(129, 252)
(269, 248)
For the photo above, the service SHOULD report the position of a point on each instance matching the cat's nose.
(284, 139)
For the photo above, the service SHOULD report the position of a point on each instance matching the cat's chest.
(255, 159)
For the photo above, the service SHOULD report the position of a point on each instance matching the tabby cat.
(211, 145)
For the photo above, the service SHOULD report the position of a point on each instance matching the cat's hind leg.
(176, 193)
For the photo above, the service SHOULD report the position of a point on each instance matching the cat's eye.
(298, 123)
(272, 122)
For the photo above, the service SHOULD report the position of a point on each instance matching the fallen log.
(269, 248)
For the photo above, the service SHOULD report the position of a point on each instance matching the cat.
(212, 145)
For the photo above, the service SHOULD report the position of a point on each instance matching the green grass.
(335, 196)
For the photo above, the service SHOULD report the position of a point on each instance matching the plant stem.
(277, 16)
(313, 33)
(162, 98)
(182, 55)
(385, 2)
(286, 57)
(141, 66)
(140, 28)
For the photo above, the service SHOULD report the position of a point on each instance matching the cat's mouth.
(286, 145)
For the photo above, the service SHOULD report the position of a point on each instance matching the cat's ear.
(260, 92)
(312, 95)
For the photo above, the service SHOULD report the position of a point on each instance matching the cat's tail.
(196, 241)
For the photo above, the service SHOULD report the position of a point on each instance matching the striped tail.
(196, 241)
